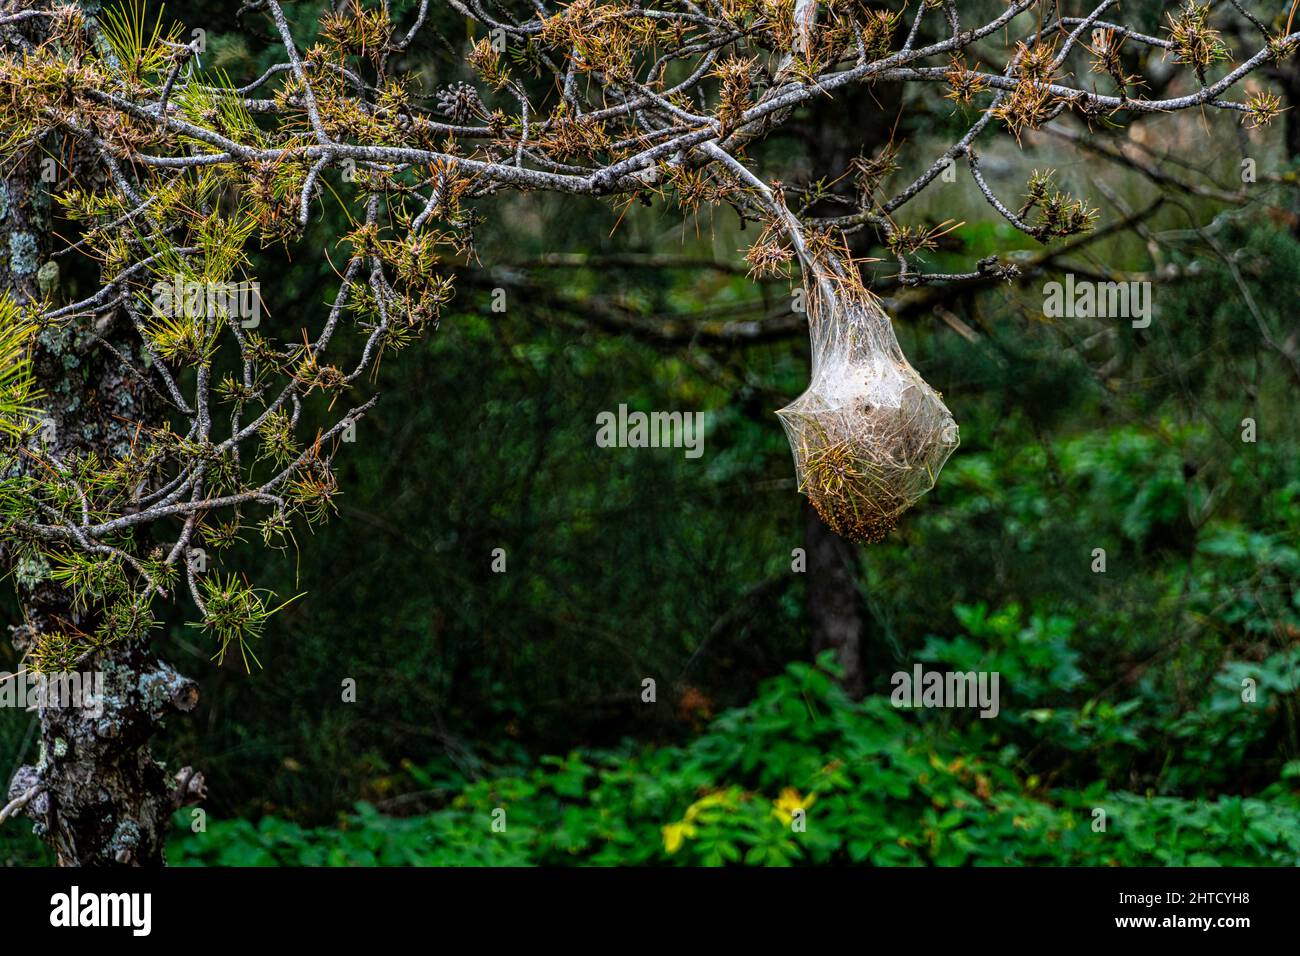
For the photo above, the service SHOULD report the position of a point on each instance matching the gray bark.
(834, 606)
(95, 793)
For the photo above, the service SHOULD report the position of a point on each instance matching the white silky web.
(869, 435)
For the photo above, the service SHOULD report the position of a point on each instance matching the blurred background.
(1122, 690)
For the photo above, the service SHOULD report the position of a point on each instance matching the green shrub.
(877, 785)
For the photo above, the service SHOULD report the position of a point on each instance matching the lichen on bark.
(95, 793)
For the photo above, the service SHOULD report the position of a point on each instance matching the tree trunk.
(1289, 77)
(835, 609)
(95, 793)
(834, 606)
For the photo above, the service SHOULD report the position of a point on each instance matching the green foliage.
(234, 614)
(136, 45)
(873, 783)
(18, 391)
(1123, 689)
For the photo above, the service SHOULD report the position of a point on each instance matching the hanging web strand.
(869, 435)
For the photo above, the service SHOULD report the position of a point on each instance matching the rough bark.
(834, 606)
(837, 617)
(95, 794)
(1289, 76)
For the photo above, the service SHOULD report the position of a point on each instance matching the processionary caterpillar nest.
(869, 435)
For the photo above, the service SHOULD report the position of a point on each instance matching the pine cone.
(460, 103)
